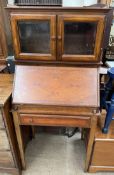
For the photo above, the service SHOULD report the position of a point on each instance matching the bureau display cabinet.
(59, 34)
(45, 96)
(59, 94)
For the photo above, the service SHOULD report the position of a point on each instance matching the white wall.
(79, 3)
(71, 3)
(11, 2)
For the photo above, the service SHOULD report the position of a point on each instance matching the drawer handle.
(59, 38)
(53, 38)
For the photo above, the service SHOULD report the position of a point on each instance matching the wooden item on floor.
(102, 157)
(9, 154)
(54, 99)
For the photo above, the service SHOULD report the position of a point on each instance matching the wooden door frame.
(3, 41)
(33, 56)
(98, 42)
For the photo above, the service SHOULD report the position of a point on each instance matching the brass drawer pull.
(30, 120)
(59, 38)
(53, 38)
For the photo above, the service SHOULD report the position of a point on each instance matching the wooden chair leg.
(33, 131)
(91, 140)
(19, 138)
(82, 133)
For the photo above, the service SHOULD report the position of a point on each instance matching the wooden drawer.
(103, 154)
(1, 121)
(6, 159)
(4, 143)
(54, 120)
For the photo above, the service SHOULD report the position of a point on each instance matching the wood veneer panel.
(54, 120)
(60, 86)
(4, 144)
(6, 159)
(1, 121)
(101, 157)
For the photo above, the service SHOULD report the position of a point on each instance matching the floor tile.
(56, 155)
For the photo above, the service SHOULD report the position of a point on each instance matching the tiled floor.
(56, 155)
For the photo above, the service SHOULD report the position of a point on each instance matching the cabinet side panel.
(103, 154)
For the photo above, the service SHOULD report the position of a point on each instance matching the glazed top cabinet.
(60, 34)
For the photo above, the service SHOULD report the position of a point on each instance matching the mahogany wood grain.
(57, 16)
(56, 86)
(80, 18)
(6, 82)
(55, 96)
(12, 171)
(2, 66)
(54, 110)
(15, 18)
(19, 138)
(6, 159)
(95, 169)
(9, 153)
(58, 96)
(91, 140)
(4, 143)
(1, 121)
(54, 120)
(102, 155)
(3, 42)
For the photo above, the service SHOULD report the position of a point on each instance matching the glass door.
(34, 36)
(80, 37)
